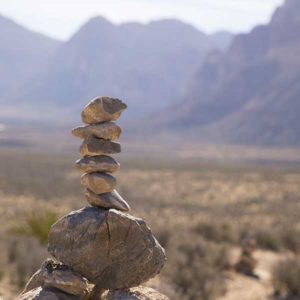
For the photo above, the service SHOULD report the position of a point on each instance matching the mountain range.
(250, 93)
(22, 54)
(146, 65)
(217, 88)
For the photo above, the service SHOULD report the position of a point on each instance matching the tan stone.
(92, 146)
(56, 275)
(101, 163)
(102, 109)
(99, 183)
(107, 200)
(107, 131)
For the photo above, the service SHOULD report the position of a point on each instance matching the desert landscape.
(199, 212)
(210, 139)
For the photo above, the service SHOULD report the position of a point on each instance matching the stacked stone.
(99, 140)
(247, 263)
(100, 251)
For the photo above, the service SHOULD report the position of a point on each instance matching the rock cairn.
(100, 251)
(247, 263)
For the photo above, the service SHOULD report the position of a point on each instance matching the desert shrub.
(36, 225)
(268, 239)
(3, 259)
(25, 255)
(286, 278)
(218, 232)
(163, 236)
(196, 267)
(277, 239)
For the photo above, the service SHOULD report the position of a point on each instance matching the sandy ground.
(241, 287)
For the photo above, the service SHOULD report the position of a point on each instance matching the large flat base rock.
(137, 293)
(110, 248)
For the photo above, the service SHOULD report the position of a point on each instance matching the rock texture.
(41, 293)
(99, 183)
(93, 146)
(107, 131)
(102, 109)
(56, 275)
(101, 163)
(137, 293)
(108, 200)
(109, 248)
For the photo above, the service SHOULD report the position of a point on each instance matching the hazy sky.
(61, 18)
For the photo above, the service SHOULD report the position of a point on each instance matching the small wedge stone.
(107, 131)
(108, 200)
(99, 183)
(102, 109)
(101, 163)
(92, 146)
(59, 276)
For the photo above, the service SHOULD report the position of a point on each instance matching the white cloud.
(60, 18)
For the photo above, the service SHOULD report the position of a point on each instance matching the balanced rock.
(42, 293)
(92, 146)
(100, 163)
(107, 131)
(107, 200)
(56, 275)
(110, 248)
(99, 183)
(137, 293)
(102, 109)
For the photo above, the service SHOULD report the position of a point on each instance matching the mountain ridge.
(147, 64)
(248, 93)
(23, 54)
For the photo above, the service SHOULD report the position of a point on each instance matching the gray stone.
(107, 200)
(137, 293)
(102, 109)
(110, 248)
(92, 146)
(56, 275)
(42, 293)
(107, 131)
(101, 163)
(99, 183)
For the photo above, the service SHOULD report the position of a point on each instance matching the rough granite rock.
(107, 200)
(110, 248)
(92, 146)
(107, 131)
(99, 183)
(56, 275)
(101, 163)
(137, 293)
(43, 293)
(102, 109)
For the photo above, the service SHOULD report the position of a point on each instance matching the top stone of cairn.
(102, 109)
